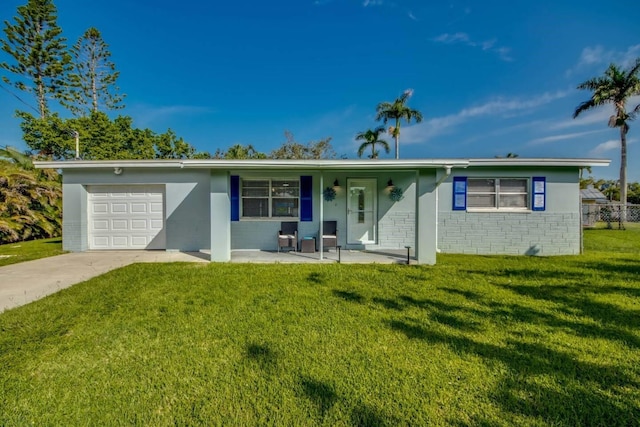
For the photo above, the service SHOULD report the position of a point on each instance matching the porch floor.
(347, 256)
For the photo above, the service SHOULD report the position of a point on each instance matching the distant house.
(592, 196)
(475, 206)
(591, 200)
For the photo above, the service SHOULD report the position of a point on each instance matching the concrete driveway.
(28, 281)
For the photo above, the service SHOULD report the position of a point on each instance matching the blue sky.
(490, 77)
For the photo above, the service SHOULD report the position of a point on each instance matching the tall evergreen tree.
(92, 85)
(39, 59)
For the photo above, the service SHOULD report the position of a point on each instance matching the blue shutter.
(459, 193)
(235, 198)
(306, 198)
(539, 193)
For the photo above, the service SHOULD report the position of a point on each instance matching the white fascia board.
(541, 162)
(105, 164)
(327, 164)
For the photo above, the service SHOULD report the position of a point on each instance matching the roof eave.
(522, 161)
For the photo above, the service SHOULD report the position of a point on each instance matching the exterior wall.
(554, 231)
(220, 217)
(396, 220)
(186, 204)
(427, 223)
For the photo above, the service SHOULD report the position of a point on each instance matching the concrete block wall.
(396, 230)
(494, 233)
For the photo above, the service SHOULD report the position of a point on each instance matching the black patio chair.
(330, 234)
(288, 235)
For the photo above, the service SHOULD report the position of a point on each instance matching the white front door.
(362, 211)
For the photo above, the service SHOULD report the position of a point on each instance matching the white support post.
(320, 244)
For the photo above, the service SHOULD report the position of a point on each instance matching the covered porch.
(344, 256)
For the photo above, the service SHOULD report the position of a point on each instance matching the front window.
(497, 193)
(270, 198)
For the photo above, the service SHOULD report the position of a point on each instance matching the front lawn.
(12, 253)
(474, 340)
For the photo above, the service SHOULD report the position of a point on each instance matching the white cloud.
(486, 45)
(596, 116)
(610, 145)
(562, 137)
(592, 56)
(441, 125)
(412, 16)
(367, 3)
(600, 149)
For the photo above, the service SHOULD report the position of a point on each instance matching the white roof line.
(321, 164)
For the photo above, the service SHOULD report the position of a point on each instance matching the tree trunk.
(396, 135)
(623, 171)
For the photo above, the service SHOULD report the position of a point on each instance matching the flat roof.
(321, 164)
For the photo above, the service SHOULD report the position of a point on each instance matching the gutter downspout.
(447, 173)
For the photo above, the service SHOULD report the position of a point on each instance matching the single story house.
(476, 206)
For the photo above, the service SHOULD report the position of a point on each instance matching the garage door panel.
(119, 207)
(99, 207)
(139, 240)
(100, 242)
(138, 207)
(139, 224)
(126, 217)
(156, 207)
(100, 224)
(119, 224)
(120, 242)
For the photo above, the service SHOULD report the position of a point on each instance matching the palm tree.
(398, 110)
(615, 87)
(30, 200)
(371, 138)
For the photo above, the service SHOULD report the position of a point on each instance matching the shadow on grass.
(324, 397)
(528, 362)
(316, 278)
(263, 355)
(575, 299)
(349, 296)
(321, 394)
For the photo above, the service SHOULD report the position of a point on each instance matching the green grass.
(12, 253)
(474, 340)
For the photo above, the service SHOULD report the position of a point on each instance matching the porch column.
(220, 217)
(321, 198)
(426, 218)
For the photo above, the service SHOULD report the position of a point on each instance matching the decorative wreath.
(329, 194)
(396, 194)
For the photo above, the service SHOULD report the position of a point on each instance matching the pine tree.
(40, 61)
(93, 81)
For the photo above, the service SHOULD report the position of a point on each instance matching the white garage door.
(126, 217)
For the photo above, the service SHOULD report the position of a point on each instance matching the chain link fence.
(612, 214)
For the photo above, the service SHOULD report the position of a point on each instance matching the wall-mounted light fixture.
(336, 183)
(117, 171)
(390, 183)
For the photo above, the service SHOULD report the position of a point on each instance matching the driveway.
(28, 281)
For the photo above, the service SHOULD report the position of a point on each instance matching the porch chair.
(288, 235)
(330, 234)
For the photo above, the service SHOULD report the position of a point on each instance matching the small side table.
(308, 245)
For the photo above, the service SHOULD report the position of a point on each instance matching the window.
(497, 193)
(270, 198)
